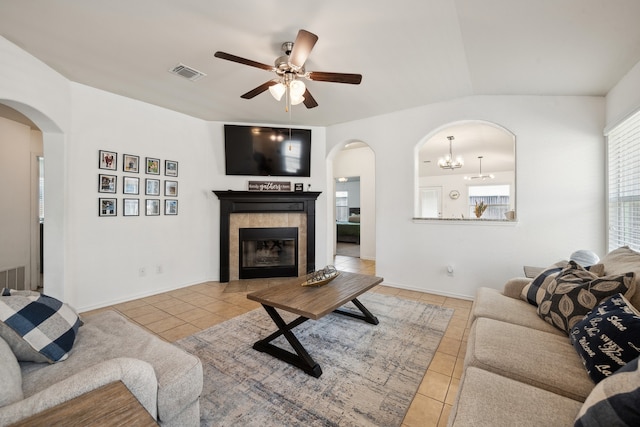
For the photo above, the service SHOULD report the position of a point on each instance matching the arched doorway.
(355, 161)
(53, 148)
(21, 222)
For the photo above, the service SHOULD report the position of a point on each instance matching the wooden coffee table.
(310, 303)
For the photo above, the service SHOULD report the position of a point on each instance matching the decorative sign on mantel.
(278, 186)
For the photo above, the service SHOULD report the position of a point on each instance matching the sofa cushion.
(10, 376)
(614, 401)
(620, 261)
(491, 303)
(576, 291)
(38, 328)
(608, 337)
(108, 335)
(488, 399)
(544, 360)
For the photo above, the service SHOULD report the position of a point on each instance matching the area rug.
(370, 373)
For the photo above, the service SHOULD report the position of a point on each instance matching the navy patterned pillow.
(614, 400)
(38, 328)
(608, 337)
(576, 291)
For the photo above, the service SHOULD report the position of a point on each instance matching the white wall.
(560, 176)
(40, 93)
(624, 98)
(15, 193)
(361, 162)
(110, 251)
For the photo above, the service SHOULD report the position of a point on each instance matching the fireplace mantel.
(265, 202)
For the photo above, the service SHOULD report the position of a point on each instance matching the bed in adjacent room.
(349, 231)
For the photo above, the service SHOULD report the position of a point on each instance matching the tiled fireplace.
(276, 223)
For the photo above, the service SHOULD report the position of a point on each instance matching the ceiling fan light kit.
(290, 70)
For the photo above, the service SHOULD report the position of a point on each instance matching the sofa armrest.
(138, 376)
(513, 288)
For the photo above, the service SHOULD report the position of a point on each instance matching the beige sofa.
(520, 370)
(165, 379)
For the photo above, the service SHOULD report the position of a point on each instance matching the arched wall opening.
(353, 158)
(54, 248)
(461, 163)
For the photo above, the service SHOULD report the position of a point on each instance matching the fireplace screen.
(268, 252)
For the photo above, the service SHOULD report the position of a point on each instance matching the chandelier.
(447, 162)
(480, 175)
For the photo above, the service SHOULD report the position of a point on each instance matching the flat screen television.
(267, 151)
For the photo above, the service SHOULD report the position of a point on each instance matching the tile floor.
(177, 314)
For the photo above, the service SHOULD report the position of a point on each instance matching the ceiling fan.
(289, 69)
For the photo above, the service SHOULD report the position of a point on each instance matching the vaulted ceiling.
(410, 52)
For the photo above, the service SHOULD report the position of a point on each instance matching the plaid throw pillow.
(46, 325)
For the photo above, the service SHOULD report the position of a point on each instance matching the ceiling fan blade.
(309, 101)
(302, 48)
(234, 58)
(257, 91)
(321, 76)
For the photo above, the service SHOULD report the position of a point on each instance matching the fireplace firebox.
(268, 252)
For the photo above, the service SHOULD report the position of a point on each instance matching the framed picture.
(153, 166)
(131, 207)
(170, 207)
(170, 168)
(107, 183)
(130, 163)
(107, 160)
(107, 207)
(152, 207)
(298, 186)
(171, 188)
(131, 185)
(152, 187)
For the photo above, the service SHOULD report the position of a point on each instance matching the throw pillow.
(38, 328)
(614, 400)
(10, 376)
(534, 292)
(608, 337)
(576, 291)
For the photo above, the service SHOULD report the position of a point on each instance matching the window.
(342, 205)
(495, 196)
(623, 157)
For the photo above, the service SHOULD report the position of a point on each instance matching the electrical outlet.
(142, 271)
(450, 270)
(159, 269)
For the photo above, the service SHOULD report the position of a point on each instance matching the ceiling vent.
(187, 72)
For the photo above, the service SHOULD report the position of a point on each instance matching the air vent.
(187, 72)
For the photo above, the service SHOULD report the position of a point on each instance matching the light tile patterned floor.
(180, 313)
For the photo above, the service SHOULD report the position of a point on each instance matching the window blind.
(623, 158)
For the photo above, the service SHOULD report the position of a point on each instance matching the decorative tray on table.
(321, 277)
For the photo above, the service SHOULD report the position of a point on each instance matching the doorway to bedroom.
(352, 172)
(348, 216)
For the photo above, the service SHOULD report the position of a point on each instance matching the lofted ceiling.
(410, 53)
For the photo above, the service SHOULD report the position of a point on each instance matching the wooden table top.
(109, 405)
(315, 302)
